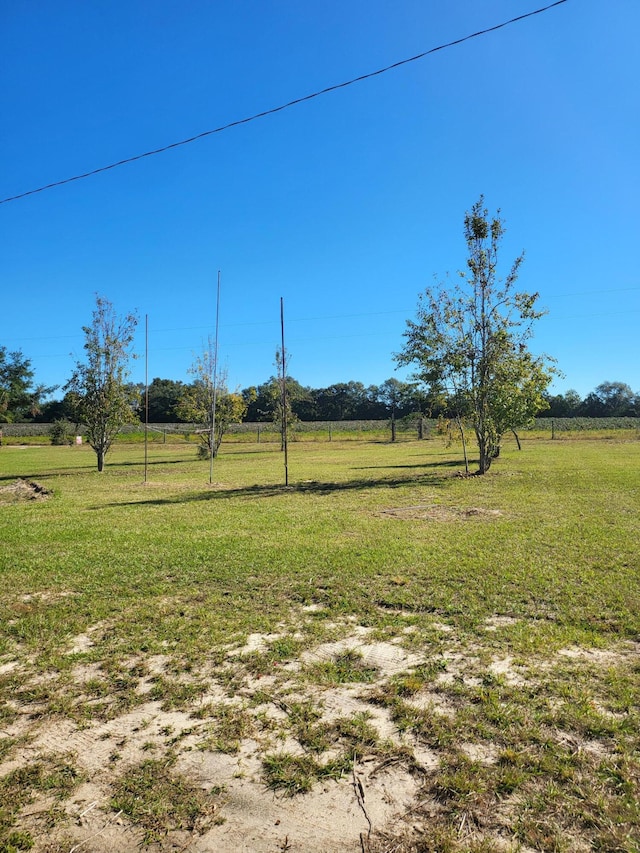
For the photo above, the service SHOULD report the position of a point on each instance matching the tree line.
(608, 400)
(22, 400)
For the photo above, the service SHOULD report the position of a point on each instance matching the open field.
(385, 656)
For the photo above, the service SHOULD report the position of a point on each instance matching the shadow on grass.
(42, 475)
(456, 463)
(185, 460)
(273, 490)
(90, 469)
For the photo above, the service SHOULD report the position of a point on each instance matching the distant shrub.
(62, 432)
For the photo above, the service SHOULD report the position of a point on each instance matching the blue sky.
(346, 206)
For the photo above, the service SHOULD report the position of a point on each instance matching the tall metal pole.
(212, 440)
(284, 398)
(146, 395)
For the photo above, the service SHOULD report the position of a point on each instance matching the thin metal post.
(284, 398)
(212, 439)
(146, 395)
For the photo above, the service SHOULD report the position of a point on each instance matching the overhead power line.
(607, 291)
(282, 107)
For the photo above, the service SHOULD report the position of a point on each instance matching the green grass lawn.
(390, 537)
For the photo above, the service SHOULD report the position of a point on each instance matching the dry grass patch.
(436, 512)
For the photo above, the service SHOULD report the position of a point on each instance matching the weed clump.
(346, 668)
(160, 800)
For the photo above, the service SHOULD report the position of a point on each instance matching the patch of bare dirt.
(507, 670)
(387, 658)
(330, 817)
(23, 490)
(497, 621)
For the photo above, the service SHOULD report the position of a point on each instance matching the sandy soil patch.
(218, 742)
(495, 622)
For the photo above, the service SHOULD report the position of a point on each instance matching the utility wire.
(325, 317)
(282, 107)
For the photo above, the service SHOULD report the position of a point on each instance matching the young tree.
(98, 391)
(283, 414)
(196, 404)
(470, 341)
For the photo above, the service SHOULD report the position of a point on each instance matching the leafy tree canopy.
(163, 398)
(208, 402)
(20, 399)
(469, 342)
(100, 396)
(611, 400)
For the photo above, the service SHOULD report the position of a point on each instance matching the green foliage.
(470, 342)
(282, 396)
(291, 774)
(563, 405)
(159, 800)
(346, 668)
(208, 394)
(611, 399)
(56, 410)
(16, 842)
(229, 727)
(164, 396)
(296, 774)
(18, 397)
(263, 401)
(347, 400)
(54, 775)
(98, 391)
(62, 432)
(342, 401)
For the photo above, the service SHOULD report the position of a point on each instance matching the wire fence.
(405, 429)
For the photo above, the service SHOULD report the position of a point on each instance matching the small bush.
(62, 432)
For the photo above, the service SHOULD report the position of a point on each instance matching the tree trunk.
(485, 462)
(100, 455)
(486, 453)
(464, 445)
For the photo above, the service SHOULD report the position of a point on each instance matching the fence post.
(553, 429)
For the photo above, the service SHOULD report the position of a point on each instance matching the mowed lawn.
(235, 556)
(536, 564)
